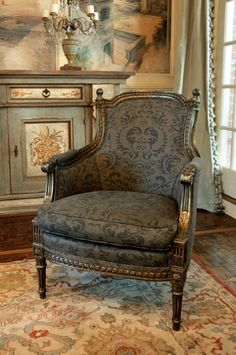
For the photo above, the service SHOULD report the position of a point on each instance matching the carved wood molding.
(128, 272)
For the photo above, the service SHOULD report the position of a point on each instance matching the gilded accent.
(125, 272)
(188, 174)
(183, 225)
(176, 276)
(47, 199)
(136, 94)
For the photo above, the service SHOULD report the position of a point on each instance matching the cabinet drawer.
(45, 93)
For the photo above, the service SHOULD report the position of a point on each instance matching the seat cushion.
(121, 218)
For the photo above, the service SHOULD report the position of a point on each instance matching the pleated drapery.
(195, 69)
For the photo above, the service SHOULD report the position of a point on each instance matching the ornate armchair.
(126, 203)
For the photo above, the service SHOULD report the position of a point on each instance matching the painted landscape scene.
(130, 35)
(23, 41)
(142, 35)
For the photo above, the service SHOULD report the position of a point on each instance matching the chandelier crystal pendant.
(67, 22)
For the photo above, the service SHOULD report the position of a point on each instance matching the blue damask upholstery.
(120, 218)
(142, 150)
(126, 203)
(71, 249)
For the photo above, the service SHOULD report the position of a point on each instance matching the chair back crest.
(145, 141)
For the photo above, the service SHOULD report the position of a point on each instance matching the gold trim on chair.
(147, 151)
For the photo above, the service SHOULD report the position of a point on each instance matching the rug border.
(204, 267)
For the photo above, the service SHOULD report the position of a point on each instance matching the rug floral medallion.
(88, 313)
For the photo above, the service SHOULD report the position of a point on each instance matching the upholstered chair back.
(143, 145)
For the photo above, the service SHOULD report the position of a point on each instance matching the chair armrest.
(63, 159)
(52, 167)
(183, 242)
(187, 175)
(71, 173)
(187, 178)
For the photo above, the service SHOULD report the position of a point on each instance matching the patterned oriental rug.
(87, 314)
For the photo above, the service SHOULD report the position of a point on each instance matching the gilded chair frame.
(177, 269)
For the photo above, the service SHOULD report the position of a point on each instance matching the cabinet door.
(36, 134)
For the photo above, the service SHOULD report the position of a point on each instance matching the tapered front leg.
(177, 307)
(41, 269)
(177, 281)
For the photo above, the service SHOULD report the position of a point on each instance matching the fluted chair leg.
(41, 269)
(178, 281)
(177, 307)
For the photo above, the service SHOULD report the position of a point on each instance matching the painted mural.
(131, 35)
(141, 35)
(23, 42)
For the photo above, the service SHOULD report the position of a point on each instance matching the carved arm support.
(72, 172)
(187, 213)
(51, 169)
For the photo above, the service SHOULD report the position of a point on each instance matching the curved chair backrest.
(144, 141)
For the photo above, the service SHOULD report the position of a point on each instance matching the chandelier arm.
(49, 27)
(83, 25)
(64, 24)
(59, 23)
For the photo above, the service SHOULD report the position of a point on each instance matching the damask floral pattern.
(143, 149)
(143, 146)
(125, 220)
(118, 218)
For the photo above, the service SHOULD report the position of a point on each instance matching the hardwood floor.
(16, 236)
(214, 248)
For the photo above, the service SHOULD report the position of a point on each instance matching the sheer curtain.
(195, 69)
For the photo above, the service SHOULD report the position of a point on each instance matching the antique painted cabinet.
(42, 114)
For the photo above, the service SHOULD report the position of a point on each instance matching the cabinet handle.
(16, 151)
(46, 93)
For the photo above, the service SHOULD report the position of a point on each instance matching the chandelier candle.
(68, 22)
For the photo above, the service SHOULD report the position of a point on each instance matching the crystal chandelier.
(67, 21)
